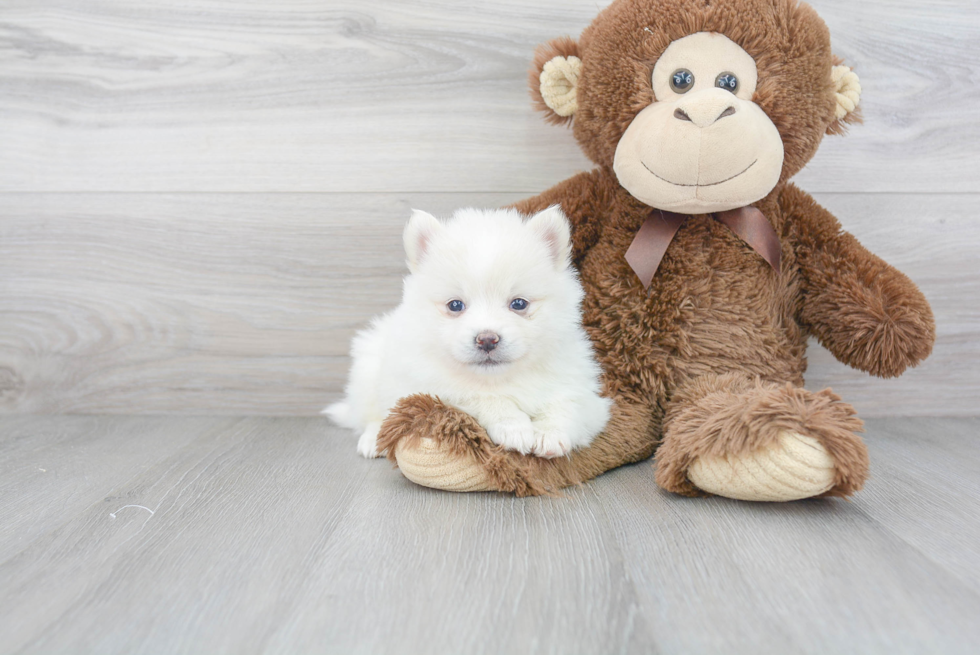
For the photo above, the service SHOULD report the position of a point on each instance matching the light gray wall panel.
(195, 303)
(407, 96)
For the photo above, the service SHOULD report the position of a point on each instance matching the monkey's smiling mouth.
(698, 185)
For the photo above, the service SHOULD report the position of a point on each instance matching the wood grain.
(236, 514)
(53, 470)
(406, 96)
(273, 536)
(817, 576)
(245, 304)
(926, 499)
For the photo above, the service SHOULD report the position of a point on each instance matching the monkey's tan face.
(703, 146)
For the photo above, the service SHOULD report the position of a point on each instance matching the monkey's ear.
(554, 79)
(847, 90)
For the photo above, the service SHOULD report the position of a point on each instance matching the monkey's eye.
(727, 81)
(518, 304)
(455, 306)
(681, 80)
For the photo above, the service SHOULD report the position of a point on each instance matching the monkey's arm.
(583, 198)
(867, 313)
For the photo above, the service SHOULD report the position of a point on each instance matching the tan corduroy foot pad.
(799, 467)
(429, 464)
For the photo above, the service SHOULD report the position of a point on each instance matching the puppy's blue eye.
(455, 305)
(518, 304)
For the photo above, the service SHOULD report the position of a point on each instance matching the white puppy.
(490, 323)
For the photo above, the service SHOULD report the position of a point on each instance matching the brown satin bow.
(656, 233)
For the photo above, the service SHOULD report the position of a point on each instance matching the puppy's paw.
(551, 443)
(513, 434)
(367, 444)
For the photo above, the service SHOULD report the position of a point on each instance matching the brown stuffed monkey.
(705, 270)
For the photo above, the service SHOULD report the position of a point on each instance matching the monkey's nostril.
(680, 114)
(728, 112)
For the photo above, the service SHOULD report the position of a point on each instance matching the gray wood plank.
(52, 469)
(272, 535)
(245, 304)
(189, 296)
(817, 576)
(389, 95)
(470, 573)
(238, 516)
(925, 489)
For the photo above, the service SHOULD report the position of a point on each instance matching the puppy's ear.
(421, 228)
(552, 227)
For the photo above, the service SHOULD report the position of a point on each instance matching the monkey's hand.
(867, 313)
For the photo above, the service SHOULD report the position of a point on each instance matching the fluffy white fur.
(537, 390)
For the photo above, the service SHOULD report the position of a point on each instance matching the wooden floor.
(247, 535)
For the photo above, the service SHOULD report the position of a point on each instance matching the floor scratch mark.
(113, 514)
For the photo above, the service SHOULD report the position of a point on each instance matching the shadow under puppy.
(490, 322)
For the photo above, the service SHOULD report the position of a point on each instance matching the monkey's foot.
(755, 440)
(432, 463)
(441, 447)
(797, 467)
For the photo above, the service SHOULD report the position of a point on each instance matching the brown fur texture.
(709, 359)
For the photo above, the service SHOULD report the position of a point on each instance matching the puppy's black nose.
(487, 341)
